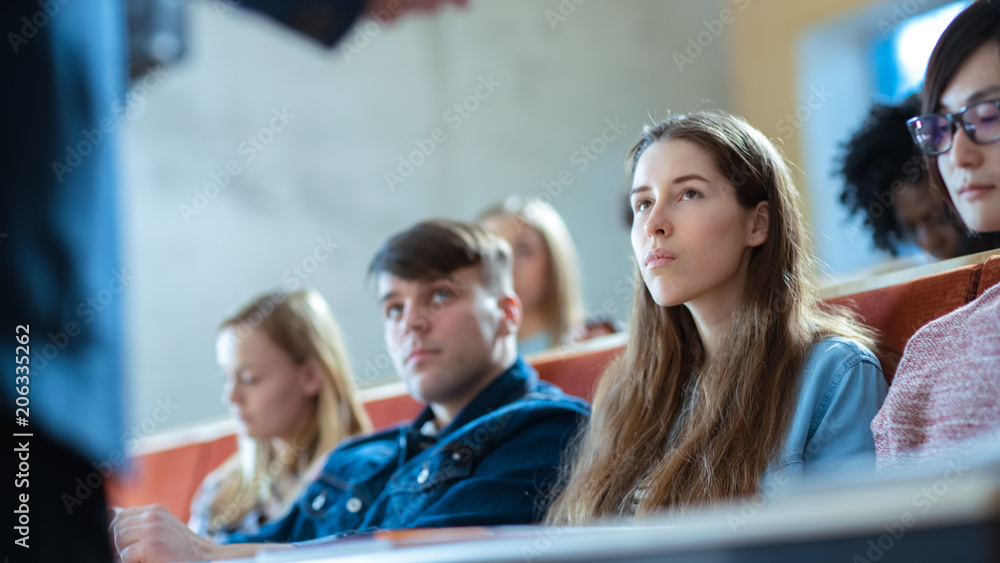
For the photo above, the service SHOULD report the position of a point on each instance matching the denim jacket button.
(354, 505)
(424, 473)
(319, 501)
(456, 456)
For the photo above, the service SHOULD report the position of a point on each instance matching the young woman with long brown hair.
(734, 371)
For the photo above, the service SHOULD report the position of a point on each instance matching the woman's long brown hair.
(640, 437)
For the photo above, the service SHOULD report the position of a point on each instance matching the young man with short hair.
(485, 450)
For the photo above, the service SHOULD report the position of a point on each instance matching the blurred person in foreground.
(64, 71)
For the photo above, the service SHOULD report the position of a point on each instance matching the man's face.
(443, 334)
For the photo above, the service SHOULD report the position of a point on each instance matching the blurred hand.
(112, 514)
(386, 11)
(151, 534)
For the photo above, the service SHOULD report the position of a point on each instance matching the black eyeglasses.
(935, 133)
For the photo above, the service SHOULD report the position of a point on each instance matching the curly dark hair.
(878, 156)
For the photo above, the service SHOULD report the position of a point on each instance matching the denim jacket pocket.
(448, 464)
(324, 495)
(412, 492)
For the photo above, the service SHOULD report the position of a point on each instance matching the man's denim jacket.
(496, 463)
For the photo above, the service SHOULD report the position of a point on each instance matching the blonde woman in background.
(546, 274)
(288, 382)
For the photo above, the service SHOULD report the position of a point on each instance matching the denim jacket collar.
(515, 382)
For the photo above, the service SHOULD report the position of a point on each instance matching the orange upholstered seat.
(171, 476)
(898, 311)
(990, 275)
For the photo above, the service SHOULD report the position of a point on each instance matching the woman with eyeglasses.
(880, 161)
(945, 398)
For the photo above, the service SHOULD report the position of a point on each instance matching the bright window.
(902, 57)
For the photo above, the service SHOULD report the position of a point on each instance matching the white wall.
(323, 175)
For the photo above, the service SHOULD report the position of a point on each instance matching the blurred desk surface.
(949, 512)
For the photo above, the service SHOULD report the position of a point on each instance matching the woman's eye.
(642, 205)
(690, 194)
(249, 379)
(393, 311)
(443, 295)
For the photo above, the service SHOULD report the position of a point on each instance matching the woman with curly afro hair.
(885, 181)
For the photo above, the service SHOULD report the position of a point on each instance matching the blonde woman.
(734, 373)
(546, 274)
(288, 382)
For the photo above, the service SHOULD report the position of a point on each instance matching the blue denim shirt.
(839, 393)
(496, 463)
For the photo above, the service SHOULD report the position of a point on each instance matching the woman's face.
(531, 259)
(690, 235)
(270, 394)
(971, 172)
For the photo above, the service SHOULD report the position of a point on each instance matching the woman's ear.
(311, 377)
(758, 221)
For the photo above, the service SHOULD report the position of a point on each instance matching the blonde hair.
(563, 296)
(642, 445)
(301, 324)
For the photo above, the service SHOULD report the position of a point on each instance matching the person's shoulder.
(206, 492)
(383, 435)
(841, 350)
(364, 449)
(979, 316)
(835, 360)
(545, 399)
(542, 414)
(227, 471)
(842, 383)
(360, 457)
(550, 395)
(980, 313)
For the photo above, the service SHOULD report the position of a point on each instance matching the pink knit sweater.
(946, 391)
